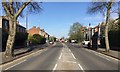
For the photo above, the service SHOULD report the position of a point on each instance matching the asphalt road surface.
(68, 57)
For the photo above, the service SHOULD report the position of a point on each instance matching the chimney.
(34, 26)
(38, 27)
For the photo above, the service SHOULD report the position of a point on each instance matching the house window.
(6, 25)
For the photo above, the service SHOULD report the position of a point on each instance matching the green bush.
(37, 39)
(102, 42)
(42, 40)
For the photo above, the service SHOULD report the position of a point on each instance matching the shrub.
(37, 39)
(102, 42)
(114, 38)
(20, 39)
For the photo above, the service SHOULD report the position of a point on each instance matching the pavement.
(112, 53)
(64, 57)
(22, 52)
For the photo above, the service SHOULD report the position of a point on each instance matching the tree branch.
(11, 7)
(5, 7)
(22, 7)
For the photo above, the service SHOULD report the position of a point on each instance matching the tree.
(76, 32)
(40, 39)
(13, 10)
(52, 38)
(103, 7)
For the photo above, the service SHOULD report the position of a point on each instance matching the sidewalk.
(111, 53)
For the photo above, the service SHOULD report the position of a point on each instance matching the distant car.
(66, 41)
(51, 42)
(73, 41)
(85, 42)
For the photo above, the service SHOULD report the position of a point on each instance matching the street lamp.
(119, 9)
(89, 32)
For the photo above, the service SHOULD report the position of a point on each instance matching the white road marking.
(15, 64)
(69, 50)
(81, 67)
(55, 67)
(60, 56)
(73, 56)
(70, 61)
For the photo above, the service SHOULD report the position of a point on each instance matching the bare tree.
(105, 8)
(13, 10)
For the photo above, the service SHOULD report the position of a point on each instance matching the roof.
(6, 18)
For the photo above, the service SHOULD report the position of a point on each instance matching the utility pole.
(26, 21)
(119, 9)
(89, 32)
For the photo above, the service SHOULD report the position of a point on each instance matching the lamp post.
(119, 9)
(89, 32)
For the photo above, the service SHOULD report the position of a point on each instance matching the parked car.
(51, 42)
(73, 41)
(85, 43)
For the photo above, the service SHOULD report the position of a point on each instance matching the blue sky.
(57, 17)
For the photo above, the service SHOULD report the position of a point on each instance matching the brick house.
(34, 30)
(37, 30)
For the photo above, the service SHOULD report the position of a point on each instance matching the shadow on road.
(29, 50)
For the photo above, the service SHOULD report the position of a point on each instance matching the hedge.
(114, 39)
(37, 39)
(20, 39)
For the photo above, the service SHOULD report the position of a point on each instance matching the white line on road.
(69, 50)
(60, 56)
(81, 67)
(73, 56)
(55, 67)
(15, 64)
(70, 61)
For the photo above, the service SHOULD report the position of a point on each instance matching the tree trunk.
(9, 53)
(106, 27)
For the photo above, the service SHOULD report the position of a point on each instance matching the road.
(65, 56)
